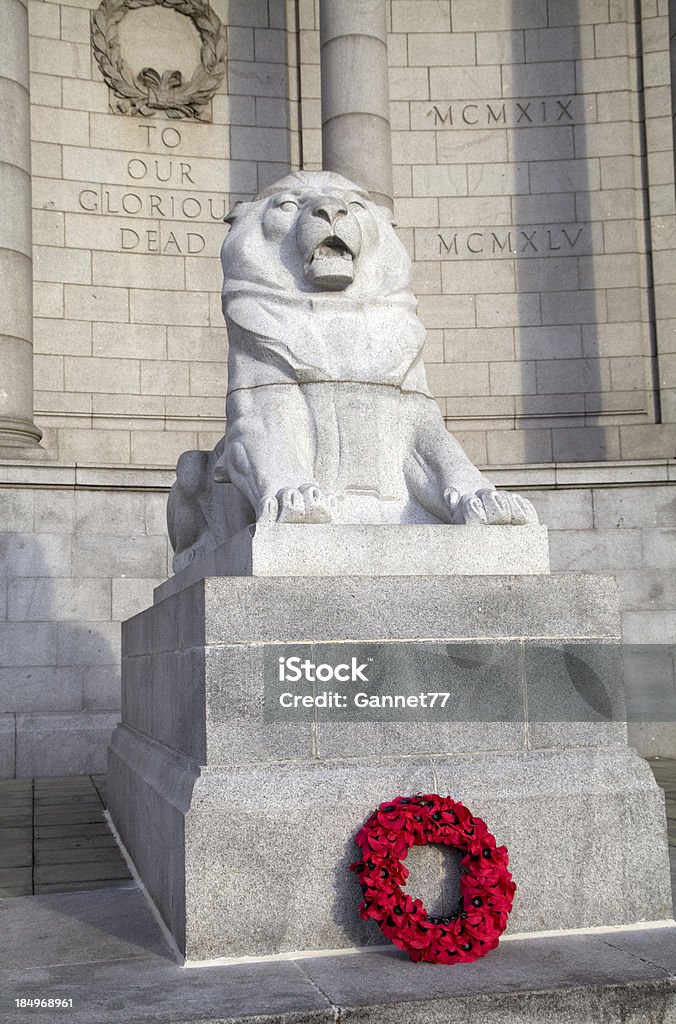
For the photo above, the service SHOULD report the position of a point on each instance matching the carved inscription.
(523, 113)
(149, 202)
(503, 242)
(167, 205)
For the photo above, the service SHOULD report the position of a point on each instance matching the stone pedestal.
(241, 827)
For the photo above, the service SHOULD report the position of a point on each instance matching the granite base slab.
(254, 860)
(302, 549)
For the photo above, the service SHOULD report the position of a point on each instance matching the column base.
(20, 439)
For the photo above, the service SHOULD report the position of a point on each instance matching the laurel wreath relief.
(149, 91)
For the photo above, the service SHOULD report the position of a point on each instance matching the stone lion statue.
(329, 416)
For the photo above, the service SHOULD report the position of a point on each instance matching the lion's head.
(315, 231)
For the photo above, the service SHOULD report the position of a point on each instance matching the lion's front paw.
(489, 508)
(305, 504)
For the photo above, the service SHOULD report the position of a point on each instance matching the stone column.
(356, 138)
(19, 436)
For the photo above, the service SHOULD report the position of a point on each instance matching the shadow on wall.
(570, 323)
(259, 84)
(59, 671)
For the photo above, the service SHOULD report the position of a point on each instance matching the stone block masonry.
(77, 561)
(544, 114)
(19, 436)
(522, 175)
(128, 223)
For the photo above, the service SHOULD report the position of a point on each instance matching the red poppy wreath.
(486, 886)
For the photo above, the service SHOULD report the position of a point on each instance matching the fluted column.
(18, 433)
(356, 139)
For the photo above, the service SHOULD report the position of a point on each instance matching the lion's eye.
(288, 205)
(355, 202)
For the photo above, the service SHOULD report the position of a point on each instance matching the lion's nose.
(329, 210)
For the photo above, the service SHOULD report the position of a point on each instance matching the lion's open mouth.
(331, 248)
(331, 265)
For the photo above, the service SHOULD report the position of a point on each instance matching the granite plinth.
(301, 549)
(241, 827)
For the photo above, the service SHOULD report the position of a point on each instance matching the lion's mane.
(282, 330)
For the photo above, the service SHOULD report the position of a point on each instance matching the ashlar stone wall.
(534, 187)
(130, 346)
(81, 551)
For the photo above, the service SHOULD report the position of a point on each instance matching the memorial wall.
(533, 170)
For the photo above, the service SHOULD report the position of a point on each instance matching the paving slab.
(626, 1003)
(79, 886)
(15, 875)
(76, 842)
(147, 992)
(77, 855)
(81, 872)
(81, 791)
(63, 781)
(82, 828)
(66, 793)
(110, 924)
(13, 891)
(16, 818)
(524, 965)
(656, 946)
(15, 834)
(57, 815)
(16, 855)
(89, 798)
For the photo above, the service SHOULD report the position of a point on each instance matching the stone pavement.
(54, 838)
(103, 950)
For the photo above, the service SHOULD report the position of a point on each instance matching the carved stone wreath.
(149, 91)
